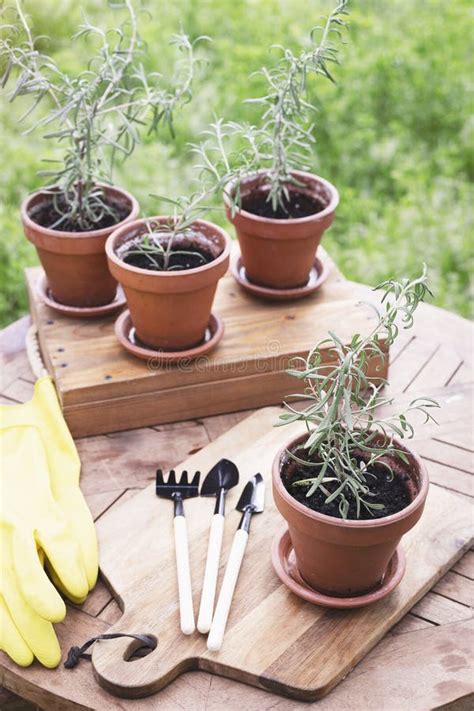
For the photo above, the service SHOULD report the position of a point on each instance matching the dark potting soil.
(47, 214)
(392, 492)
(300, 205)
(178, 262)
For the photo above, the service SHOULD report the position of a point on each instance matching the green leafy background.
(395, 135)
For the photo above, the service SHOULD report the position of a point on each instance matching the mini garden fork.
(178, 491)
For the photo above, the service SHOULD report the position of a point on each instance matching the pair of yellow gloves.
(44, 524)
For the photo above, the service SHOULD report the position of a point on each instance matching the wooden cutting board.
(104, 389)
(274, 640)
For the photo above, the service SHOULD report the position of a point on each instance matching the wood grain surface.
(425, 661)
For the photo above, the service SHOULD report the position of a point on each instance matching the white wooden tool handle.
(219, 622)
(186, 611)
(208, 594)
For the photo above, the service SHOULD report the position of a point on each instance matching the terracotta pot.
(280, 253)
(170, 310)
(346, 557)
(75, 262)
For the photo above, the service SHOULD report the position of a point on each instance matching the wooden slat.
(435, 324)
(465, 566)
(454, 417)
(217, 425)
(96, 601)
(14, 367)
(440, 368)
(7, 401)
(462, 375)
(445, 453)
(403, 341)
(451, 479)
(391, 680)
(111, 612)
(12, 337)
(441, 610)
(462, 436)
(410, 623)
(19, 390)
(410, 364)
(456, 587)
(101, 501)
(196, 401)
(111, 464)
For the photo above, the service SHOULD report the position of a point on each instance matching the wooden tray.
(274, 640)
(103, 389)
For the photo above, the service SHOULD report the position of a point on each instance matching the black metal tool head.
(171, 487)
(252, 497)
(223, 475)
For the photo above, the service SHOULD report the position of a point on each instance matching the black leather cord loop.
(75, 654)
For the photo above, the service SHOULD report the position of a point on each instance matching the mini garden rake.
(178, 491)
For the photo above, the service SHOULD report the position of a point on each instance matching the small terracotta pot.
(75, 262)
(346, 557)
(170, 310)
(280, 253)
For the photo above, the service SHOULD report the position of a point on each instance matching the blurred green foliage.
(395, 135)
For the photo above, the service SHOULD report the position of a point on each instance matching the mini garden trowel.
(252, 500)
(222, 477)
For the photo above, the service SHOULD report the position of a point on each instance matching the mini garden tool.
(43, 519)
(252, 500)
(222, 477)
(178, 491)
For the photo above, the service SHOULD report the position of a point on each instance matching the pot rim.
(349, 523)
(329, 209)
(119, 231)
(103, 232)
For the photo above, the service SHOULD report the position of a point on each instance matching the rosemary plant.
(96, 116)
(158, 244)
(283, 138)
(342, 417)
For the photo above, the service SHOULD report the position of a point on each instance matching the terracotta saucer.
(80, 311)
(125, 332)
(284, 563)
(317, 276)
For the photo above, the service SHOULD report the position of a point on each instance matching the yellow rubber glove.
(41, 505)
(23, 633)
(35, 520)
(44, 413)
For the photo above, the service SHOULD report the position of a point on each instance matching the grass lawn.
(395, 135)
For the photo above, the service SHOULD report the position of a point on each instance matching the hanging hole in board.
(137, 650)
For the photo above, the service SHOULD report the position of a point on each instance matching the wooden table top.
(424, 662)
